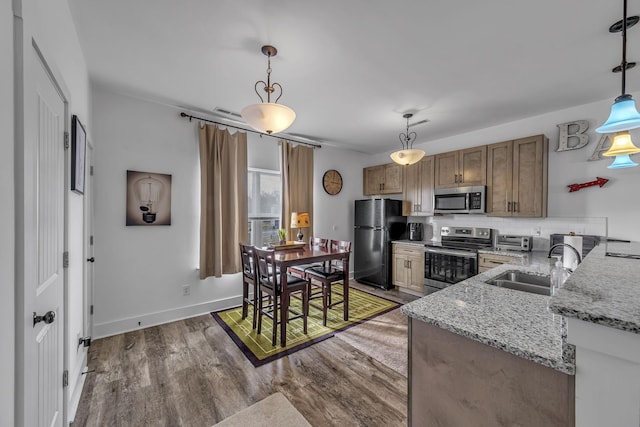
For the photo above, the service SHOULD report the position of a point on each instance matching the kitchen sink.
(522, 281)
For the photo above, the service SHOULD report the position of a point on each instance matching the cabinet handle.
(516, 208)
(508, 206)
(461, 180)
(455, 178)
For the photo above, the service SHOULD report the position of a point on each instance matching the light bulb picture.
(148, 198)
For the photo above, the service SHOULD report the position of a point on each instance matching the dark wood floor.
(190, 373)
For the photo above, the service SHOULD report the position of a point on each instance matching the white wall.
(6, 216)
(616, 201)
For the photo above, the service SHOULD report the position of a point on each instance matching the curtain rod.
(190, 117)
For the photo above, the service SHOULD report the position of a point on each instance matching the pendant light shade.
(624, 116)
(621, 145)
(621, 162)
(269, 117)
(408, 155)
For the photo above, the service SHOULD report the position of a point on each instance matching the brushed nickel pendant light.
(408, 155)
(269, 117)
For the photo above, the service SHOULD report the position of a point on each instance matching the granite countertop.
(603, 290)
(514, 321)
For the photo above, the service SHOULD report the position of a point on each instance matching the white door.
(40, 257)
(88, 221)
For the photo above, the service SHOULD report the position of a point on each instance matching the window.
(264, 188)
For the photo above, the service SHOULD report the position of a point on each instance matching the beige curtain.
(297, 186)
(223, 198)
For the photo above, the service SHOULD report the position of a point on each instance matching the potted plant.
(282, 235)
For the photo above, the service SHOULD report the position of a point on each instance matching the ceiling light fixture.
(408, 155)
(621, 162)
(624, 115)
(269, 117)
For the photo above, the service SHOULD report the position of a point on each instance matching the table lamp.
(299, 220)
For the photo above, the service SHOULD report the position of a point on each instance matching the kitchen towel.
(569, 257)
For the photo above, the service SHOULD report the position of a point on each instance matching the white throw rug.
(275, 410)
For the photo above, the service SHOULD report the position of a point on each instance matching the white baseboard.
(102, 330)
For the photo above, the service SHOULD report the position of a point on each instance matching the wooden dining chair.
(300, 270)
(248, 279)
(269, 285)
(321, 278)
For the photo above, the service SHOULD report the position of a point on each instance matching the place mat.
(285, 246)
(258, 348)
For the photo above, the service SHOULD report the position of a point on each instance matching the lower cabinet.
(488, 261)
(408, 268)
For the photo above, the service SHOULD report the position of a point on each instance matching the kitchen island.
(483, 355)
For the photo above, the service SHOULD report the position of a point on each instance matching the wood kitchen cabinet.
(517, 177)
(417, 191)
(461, 168)
(408, 268)
(382, 179)
(488, 261)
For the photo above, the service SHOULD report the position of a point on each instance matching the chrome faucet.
(578, 255)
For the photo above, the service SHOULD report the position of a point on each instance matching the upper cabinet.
(417, 193)
(382, 179)
(517, 177)
(461, 168)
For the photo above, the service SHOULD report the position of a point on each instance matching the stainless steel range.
(456, 257)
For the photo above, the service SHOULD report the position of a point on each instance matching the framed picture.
(78, 149)
(148, 198)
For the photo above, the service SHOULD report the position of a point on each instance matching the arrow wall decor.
(599, 181)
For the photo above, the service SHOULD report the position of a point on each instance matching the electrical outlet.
(186, 290)
(536, 230)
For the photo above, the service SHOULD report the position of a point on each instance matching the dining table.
(307, 254)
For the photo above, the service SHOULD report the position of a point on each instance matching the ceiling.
(350, 69)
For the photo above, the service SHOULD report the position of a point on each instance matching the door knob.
(92, 259)
(48, 317)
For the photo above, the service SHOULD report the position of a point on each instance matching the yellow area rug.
(258, 348)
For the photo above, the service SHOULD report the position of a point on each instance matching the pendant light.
(408, 155)
(269, 117)
(624, 115)
(623, 161)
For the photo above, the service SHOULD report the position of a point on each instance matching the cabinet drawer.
(489, 261)
(410, 250)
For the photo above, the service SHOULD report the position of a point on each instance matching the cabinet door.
(446, 170)
(372, 180)
(415, 279)
(499, 178)
(392, 179)
(530, 176)
(426, 185)
(472, 168)
(399, 269)
(411, 189)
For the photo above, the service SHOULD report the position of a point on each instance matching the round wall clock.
(332, 182)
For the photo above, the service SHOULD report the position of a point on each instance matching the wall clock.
(332, 182)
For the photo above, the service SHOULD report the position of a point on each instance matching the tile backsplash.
(539, 228)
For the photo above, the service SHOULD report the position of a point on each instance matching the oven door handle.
(463, 254)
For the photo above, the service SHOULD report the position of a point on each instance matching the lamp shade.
(621, 145)
(299, 219)
(623, 161)
(268, 117)
(407, 157)
(623, 116)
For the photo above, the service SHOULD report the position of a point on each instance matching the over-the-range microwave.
(460, 200)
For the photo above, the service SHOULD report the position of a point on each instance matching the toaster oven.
(511, 242)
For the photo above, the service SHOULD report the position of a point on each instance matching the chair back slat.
(246, 253)
(265, 263)
(318, 242)
(340, 245)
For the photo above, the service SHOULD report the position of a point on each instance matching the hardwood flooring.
(190, 373)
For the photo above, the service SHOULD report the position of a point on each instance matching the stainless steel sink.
(522, 281)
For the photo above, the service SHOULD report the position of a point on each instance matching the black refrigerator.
(377, 222)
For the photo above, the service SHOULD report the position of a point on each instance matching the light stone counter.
(603, 290)
(514, 321)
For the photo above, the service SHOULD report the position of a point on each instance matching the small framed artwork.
(148, 198)
(78, 149)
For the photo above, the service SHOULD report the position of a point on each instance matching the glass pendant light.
(624, 115)
(269, 117)
(408, 155)
(623, 161)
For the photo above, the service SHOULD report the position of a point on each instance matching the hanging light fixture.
(269, 117)
(624, 115)
(408, 155)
